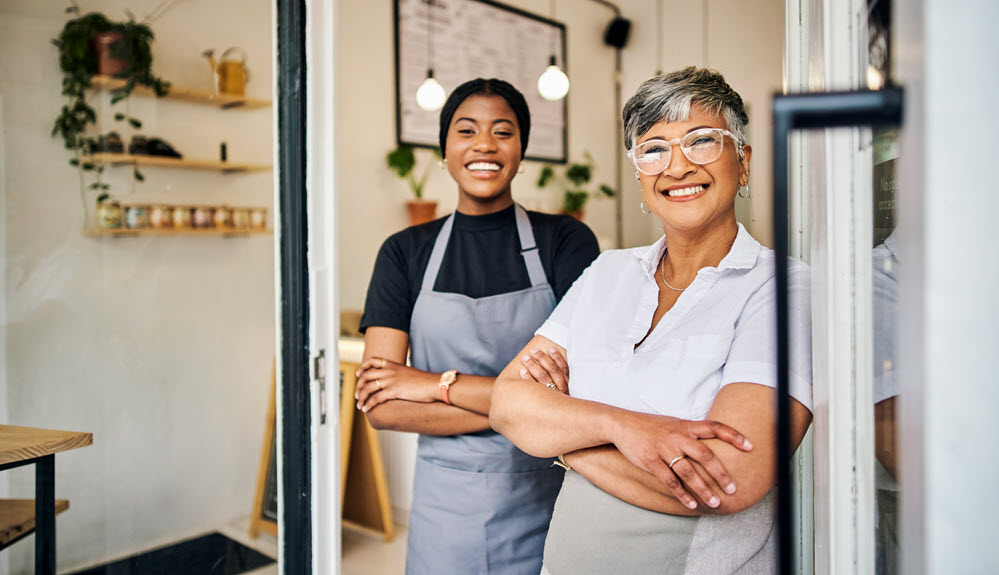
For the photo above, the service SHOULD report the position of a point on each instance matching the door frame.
(294, 398)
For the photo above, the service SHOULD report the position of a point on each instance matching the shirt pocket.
(686, 375)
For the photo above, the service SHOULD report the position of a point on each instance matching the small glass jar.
(181, 217)
(258, 218)
(223, 217)
(241, 218)
(136, 217)
(160, 217)
(109, 215)
(202, 217)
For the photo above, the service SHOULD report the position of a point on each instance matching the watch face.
(448, 377)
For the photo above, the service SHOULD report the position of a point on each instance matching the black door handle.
(802, 112)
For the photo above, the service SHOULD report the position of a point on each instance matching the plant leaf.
(138, 176)
(135, 123)
(607, 190)
(545, 177)
(119, 117)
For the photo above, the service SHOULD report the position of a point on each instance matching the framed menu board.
(466, 39)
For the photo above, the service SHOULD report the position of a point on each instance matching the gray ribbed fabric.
(594, 533)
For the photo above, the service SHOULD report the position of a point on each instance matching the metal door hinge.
(319, 375)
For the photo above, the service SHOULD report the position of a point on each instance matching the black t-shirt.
(482, 259)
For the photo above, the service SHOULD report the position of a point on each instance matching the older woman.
(464, 293)
(657, 339)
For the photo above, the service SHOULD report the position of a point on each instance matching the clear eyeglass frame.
(640, 155)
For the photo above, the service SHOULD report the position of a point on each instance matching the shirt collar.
(743, 255)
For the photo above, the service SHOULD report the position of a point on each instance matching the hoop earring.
(637, 177)
(442, 163)
(746, 190)
(521, 169)
(645, 208)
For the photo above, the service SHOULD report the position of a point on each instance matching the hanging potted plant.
(574, 179)
(92, 44)
(402, 161)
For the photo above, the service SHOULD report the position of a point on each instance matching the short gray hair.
(669, 97)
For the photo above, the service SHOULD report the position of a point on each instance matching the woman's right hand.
(652, 442)
(549, 368)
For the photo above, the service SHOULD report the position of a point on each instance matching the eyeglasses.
(700, 147)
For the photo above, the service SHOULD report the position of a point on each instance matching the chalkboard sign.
(466, 39)
(264, 516)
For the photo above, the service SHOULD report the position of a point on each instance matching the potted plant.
(402, 161)
(574, 179)
(92, 44)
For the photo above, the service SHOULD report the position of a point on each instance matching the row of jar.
(112, 215)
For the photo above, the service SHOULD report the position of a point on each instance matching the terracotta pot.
(421, 211)
(108, 65)
(578, 214)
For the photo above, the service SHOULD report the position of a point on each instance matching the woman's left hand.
(549, 368)
(379, 380)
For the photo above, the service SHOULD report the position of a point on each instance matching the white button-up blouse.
(721, 330)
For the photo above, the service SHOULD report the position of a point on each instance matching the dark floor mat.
(211, 554)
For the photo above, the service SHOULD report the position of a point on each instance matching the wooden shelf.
(161, 162)
(146, 232)
(17, 518)
(224, 101)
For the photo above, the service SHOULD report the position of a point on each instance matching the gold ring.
(675, 459)
(378, 383)
(551, 385)
(383, 362)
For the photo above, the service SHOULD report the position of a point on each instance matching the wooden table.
(30, 446)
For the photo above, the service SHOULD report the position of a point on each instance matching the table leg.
(45, 535)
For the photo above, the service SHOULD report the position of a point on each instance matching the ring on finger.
(551, 385)
(378, 383)
(675, 459)
(383, 362)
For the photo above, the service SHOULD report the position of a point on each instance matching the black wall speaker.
(617, 32)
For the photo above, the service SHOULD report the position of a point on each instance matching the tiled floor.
(363, 554)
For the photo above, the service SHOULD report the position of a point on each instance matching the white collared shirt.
(721, 330)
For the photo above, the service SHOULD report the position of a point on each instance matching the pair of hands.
(653, 442)
(379, 380)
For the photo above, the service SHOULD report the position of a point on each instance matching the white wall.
(162, 347)
(744, 41)
(948, 277)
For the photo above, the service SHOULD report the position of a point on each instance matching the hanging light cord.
(430, 42)
(659, 38)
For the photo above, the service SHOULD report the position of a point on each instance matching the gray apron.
(480, 505)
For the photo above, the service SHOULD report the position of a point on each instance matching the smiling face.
(690, 197)
(483, 153)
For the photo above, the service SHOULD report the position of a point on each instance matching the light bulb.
(431, 95)
(553, 84)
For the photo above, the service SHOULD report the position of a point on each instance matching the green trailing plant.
(402, 161)
(79, 62)
(574, 179)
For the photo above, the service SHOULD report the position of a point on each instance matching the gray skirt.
(593, 532)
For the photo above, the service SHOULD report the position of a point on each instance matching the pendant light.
(431, 95)
(553, 84)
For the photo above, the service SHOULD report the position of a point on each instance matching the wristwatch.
(447, 380)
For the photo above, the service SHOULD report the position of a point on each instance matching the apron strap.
(437, 256)
(529, 250)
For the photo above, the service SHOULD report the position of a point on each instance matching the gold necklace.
(662, 268)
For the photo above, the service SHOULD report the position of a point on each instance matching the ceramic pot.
(241, 218)
(258, 218)
(108, 65)
(202, 217)
(421, 211)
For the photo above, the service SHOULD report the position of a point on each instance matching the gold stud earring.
(521, 169)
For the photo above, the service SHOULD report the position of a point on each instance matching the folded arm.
(545, 423)
(401, 398)
(746, 406)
